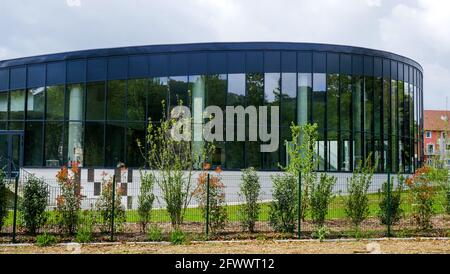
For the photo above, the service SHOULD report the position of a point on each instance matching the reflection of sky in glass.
(319, 81)
(289, 84)
(179, 78)
(271, 86)
(236, 84)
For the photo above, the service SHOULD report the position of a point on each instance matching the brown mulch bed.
(414, 246)
(370, 228)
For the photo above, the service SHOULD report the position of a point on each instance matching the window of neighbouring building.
(428, 134)
(430, 148)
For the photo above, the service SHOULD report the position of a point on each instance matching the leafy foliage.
(45, 239)
(282, 212)
(250, 190)
(177, 237)
(69, 201)
(104, 206)
(321, 196)
(86, 227)
(422, 194)
(146, 199)
(3, 199)
(357, 202)
(390, 204)
(302, 157)
(155, 234)
(33, 204)
(217, 207)
(173, 161)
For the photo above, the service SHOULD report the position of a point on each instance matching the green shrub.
(33, 204)
(320, 199)
(3, 200)
(392, 205)
(217, 206)
(155, 234)
(104, 206)
(86, 227)
(177, 237)
(45, 239)
(146, 199)
(321, 233)
(422, 193)
(357, 202)
(69, 201)
(282, 212)
(250, 190)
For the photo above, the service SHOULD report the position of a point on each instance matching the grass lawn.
(336, 210)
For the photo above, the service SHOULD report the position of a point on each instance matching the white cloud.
(373, 3)
(73, 3)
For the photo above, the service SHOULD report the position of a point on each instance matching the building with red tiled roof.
(436, 132)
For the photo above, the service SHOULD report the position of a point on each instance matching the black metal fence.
(197, 218)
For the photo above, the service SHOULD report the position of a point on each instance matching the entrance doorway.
(11, 152)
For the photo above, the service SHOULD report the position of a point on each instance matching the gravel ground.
(415, 246)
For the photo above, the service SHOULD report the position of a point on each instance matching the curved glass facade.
(91, 106)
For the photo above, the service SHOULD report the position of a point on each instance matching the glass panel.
(368, 116)
(53, 144)
(3, 106)
(93, 143)
(136, 99)
(116, 100)
(95, 101)
(288, 112)
(319, 99)
(179, 91)
(378, 97)
(386, 123)
(33, 144)
(74, 142)
(332, 103)
(272, 93)
(75, 102)
(357, 120)
(135, 132)
(318, 115)
(216, 94)
(345, 122)
(115, 144)
(197, 89)
(55, 102)
(235, 97)
(255, 97)
(400, 126)
(17, 105)
(157, 93)
(332, 120)
(304, 96)
(394, 129)
(35, 103)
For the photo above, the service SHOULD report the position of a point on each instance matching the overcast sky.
(419, 29)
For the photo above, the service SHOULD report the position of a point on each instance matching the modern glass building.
(91, 106)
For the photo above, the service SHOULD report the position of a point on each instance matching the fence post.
(16, 188)
(299, 213)
(207, 206)
(389, 221)
(113, 206)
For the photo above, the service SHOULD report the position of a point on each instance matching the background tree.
(173, 163)
(302, 157)
(357, 201)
